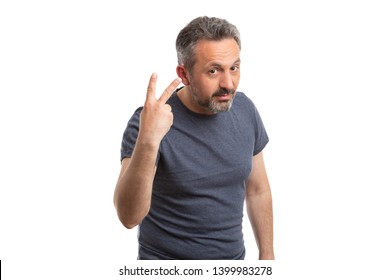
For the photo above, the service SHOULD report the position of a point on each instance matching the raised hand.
(156, 116)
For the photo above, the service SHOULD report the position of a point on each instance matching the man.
(191, 157)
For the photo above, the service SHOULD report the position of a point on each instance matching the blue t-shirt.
(199, 187)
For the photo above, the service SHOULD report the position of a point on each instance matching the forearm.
(260, 213)
(133, 191)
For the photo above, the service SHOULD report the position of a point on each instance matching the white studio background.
(73, 72)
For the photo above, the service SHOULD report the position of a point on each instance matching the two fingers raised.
(151, 91)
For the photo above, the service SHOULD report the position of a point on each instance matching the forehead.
(225, 51)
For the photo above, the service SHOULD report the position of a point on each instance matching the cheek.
(212, 85)
(203, 86)
(236, 80)
(206, 87)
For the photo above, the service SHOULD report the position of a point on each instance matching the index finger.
(150, 93)
(169, 90)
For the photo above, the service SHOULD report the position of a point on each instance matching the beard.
(212, 104)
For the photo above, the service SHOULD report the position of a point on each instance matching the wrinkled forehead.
(222, 52)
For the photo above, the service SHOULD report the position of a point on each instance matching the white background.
(73, 72)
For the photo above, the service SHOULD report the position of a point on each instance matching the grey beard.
(219, 107)
(212, 104)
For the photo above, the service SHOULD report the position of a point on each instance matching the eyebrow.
(220, 65)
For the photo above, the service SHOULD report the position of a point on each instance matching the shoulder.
(243, 102)
(136, 113)
(134, 120)
(246, 108)
(242, 97)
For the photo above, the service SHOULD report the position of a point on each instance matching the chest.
(201, 153)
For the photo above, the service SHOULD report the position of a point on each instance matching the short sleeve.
(130, 135)
(261, 136)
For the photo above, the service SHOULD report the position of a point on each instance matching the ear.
(183, 74)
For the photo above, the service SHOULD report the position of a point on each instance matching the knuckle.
(151, 87)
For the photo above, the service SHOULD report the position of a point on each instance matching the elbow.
(130, 214)
(129, 219)
(128, 224)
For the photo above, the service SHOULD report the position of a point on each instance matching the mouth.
(224, 97)
(222, 92)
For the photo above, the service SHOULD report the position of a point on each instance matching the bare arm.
(259, 208)
(133, 191)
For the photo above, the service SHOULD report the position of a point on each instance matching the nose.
(226, 81)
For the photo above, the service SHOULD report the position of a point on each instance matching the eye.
(235, 68)
(213, 71)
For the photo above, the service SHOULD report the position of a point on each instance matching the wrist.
(266, 256)
(148, 143)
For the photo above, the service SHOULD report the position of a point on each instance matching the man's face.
(215, 76)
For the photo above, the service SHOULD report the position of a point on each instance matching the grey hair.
(202, 28)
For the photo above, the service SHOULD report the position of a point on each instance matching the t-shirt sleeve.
(130, 135)
(261, 136)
